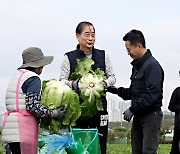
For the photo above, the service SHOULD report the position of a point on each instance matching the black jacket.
(174, 105)
(146, 89)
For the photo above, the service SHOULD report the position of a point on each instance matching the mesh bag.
(87, 141)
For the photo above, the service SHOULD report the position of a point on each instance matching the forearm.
(65, 72)
(111, 79)
(67, 82)
(34, 106)
(125, 93)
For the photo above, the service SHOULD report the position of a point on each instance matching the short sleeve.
(33, 84)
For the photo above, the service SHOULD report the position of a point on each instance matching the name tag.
(103, 120)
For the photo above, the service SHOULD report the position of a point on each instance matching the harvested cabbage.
(55, 94)
(91, 87)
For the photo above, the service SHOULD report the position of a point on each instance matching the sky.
(50, 25)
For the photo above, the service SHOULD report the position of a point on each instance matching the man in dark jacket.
(146, 93)
(174, 106)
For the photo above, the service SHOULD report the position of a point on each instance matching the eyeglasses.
(128, 50)
(89, 34)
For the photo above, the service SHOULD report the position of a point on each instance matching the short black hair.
(81, 25)
(134, 37)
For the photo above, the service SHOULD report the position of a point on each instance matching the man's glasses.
(89, 34)
(128, 50)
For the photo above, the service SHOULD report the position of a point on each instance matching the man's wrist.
(131, 109)
(72, 84)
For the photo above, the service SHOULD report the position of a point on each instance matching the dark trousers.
(13, 148)
(99, 121)
(144, 133)
(176, 141)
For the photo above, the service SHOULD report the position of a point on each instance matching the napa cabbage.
(91, 87)
(55, 94)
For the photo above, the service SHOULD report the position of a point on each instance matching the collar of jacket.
(30, 69)
(139, 62)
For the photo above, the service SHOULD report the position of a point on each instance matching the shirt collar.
(139, 62)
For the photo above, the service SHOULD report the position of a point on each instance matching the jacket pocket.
(138, 83)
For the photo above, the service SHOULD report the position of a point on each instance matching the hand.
(128, 115)
(75, 85)
(59, 112)
(104, 83)
(113, 89)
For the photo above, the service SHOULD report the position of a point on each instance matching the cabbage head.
(55, 94)
(91, 87)
(91, 90)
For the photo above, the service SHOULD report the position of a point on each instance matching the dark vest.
(98, 56)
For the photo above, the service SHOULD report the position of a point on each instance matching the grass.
(120, 149)
(2, 151)
(126, 149)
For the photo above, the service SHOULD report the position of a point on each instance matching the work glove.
(105, 86)
(58, 113)
(104, 83)
(75, 86)
(128, 115)
(113, 89)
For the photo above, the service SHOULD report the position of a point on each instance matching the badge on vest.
(103, 120)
